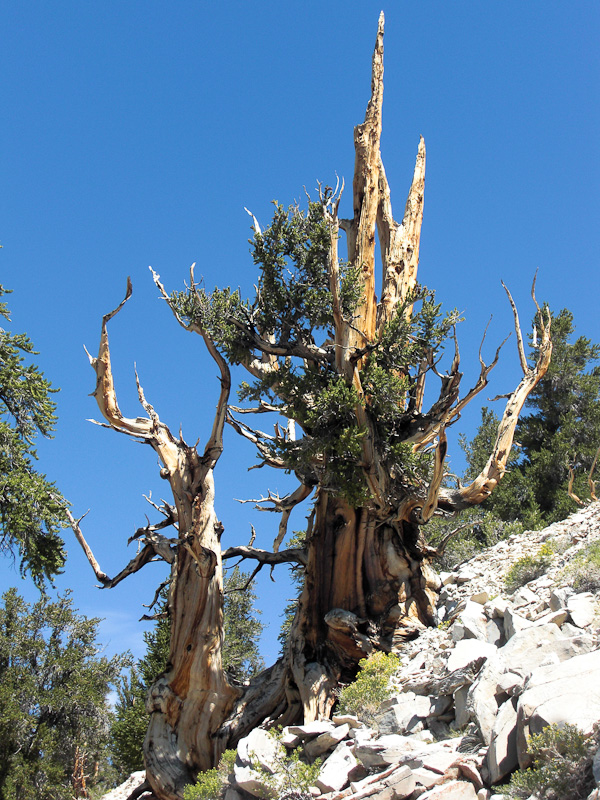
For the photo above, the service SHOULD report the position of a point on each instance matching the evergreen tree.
(561, 432)
(31, 508)
(54, 716)
(130, 717)
(241, 627)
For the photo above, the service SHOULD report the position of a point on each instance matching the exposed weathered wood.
(485, 483)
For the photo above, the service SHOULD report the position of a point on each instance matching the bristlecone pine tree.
(348, 373)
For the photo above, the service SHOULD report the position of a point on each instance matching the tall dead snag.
(345, 376)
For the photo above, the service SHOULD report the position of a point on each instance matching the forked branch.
(488, 479)
(156, 547)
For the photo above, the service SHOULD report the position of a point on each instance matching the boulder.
(566, 693)
(258, 747)
(461, 713)
(510, 683)
(523, 597)
(335, 772)
(467, 651)
(134, 781)
(557, 617)
(347, 719)
(386, 750)
(310, 729)
(454, 790)
(326, 741)
(250, 781)
(398, 785)
(496, 607)
(439, 706)
(502, 756)
(427, 778)
(559, 597)
(494, 632)
(465, 575)
(470, 623)
(513, 623)
(406, 715)
(582, 609)
(522, 653)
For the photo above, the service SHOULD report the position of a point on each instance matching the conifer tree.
(31, 507)
(54, 715)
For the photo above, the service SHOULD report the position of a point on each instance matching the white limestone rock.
(513, 623)
(565, 693)
(387, 750)
(311, 729)
(522, 653)
(502, 756)
(467, 651)
(335, 772)
(582, 609)
(453, 790)
(326, 741)
(259, 747)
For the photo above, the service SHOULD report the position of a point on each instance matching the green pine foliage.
(561, 430)
(53, 699)
(297, 539)
(31, 507)
(211, 785)
(241, 627)
(469, 533)
(130, 721)
(294, 305)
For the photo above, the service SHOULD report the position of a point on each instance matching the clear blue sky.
(134, 133)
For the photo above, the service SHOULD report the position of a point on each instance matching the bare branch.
(294, 555)
(592, 483)
(522, 357)
(487, 480)
(435, 483)
(156, 547)
(570, 491)
(214, 445)
(257, 438)
(438, 550)
(154, 600)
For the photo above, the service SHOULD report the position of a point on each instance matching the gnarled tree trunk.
(368, 581)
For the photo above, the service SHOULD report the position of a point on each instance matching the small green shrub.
(371, 687)
(528, 568)
(291, 777)
(210, 784)
(562, 765)
(583, 571)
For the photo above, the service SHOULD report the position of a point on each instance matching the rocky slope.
(499, 668)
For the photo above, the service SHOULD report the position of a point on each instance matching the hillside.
(500, 666)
